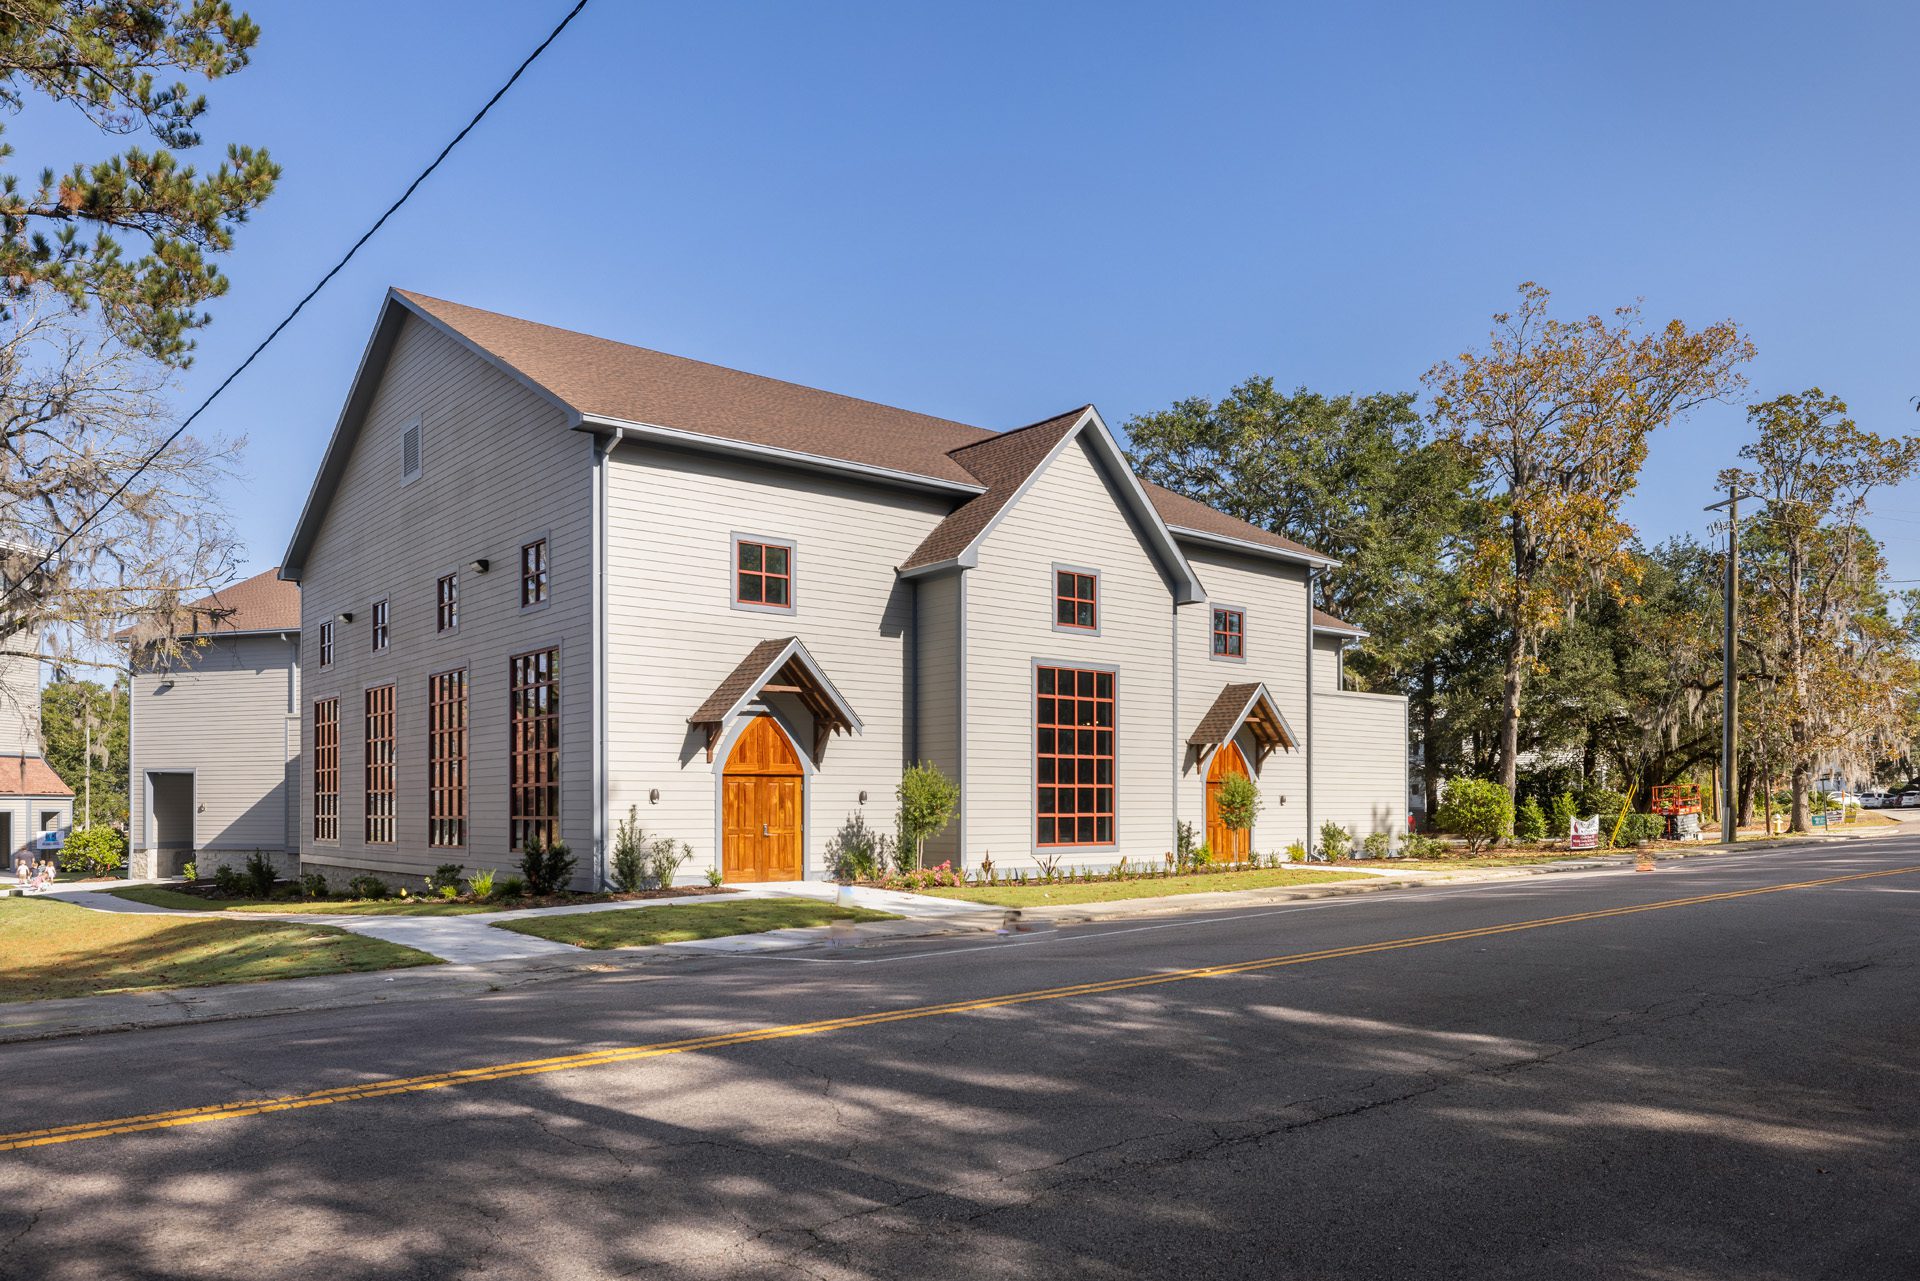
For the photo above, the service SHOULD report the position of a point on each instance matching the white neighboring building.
(36, 805)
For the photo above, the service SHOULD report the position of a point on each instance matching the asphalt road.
(1395, 1085)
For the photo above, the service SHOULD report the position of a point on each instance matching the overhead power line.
(298, 307)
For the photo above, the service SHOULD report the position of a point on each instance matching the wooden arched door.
(761, 806)
(1228, 846)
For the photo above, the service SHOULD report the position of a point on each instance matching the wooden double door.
(1226, 844)
(761, 805)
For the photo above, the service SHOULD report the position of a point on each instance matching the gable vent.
(410, 453)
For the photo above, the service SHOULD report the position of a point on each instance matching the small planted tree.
(1238, 802)
(1560, 816)
(1477, 809)
(1530, 822)
(97, 851)
(928, 800)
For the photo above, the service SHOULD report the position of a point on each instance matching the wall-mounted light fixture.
(345, 618)
(480, 566)
(653, 797)
(863, 798)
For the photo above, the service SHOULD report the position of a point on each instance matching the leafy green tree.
(102, 58)
(1529, 822)
(1555, 416)
(1479, 809)
(1238, 801)
(67, 707)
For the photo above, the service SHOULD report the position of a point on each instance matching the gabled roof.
(1010, 462)
(1327, 625)
(1247, 704)
(30, 776)
(602, 385)
(785, 661)
(264, 603)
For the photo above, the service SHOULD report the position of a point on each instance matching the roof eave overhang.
(1314, 559)
(1350, 633)
(794, 652)
(698, 442)
(1261, 694)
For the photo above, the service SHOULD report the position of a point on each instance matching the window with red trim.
(763, 574)
(1075, 601)
(533, 573)
(533, 805)
(1229, 633)
(447, 759)
(326, 770)
(1073, 739)
(380, 765)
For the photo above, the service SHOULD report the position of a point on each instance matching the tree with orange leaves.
(1556, 415)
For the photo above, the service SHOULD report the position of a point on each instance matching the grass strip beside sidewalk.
(646, 926)
(50, 950)
(1065, 893)
(160, 896)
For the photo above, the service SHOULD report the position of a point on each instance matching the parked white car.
(1910, 800)
(1872, 800)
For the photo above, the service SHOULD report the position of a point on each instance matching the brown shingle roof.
(738, 681)
(30, 776)
(1249, 703)
(636, 384)
(262, 603)
(1002, 463)
(603, 379)
(1323, 621)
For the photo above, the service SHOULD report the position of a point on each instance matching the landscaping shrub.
(928, 799)
(546, 867)
(368, 887)
(446, 877)
(1420, 845)
(1184, 844)
(228, 883)
(512, 887)
(853, 852)
(1238, 802)
(1378, 845)
(1478, 809)
(261, 875)
(1297, 852)
(1560, 816)
(482, 883)
(313, 885)
(664, 857)
(715, 877)
(188, 870)
(1591, 798)
(96, 851)
(1636, 829)
(629, 869)
(1335, 841)
(1530, 822)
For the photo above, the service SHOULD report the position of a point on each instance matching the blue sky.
(994, 212)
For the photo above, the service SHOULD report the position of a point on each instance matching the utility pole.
(1730, 691)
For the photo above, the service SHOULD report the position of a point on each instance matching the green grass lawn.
(160, 896)
(1067, 892)
(643, 926)
(50, 949)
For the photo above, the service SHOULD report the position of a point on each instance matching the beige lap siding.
(1360, 762)
(228, 714)
(20, 697)
(674, 632)
(1273, 596)
(1071, 515)
(937, 691)
(499, 468)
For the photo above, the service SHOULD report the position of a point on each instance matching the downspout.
(600, 718)
(1313, 576)
(1179, 748)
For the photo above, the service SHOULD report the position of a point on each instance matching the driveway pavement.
(1699, 1073)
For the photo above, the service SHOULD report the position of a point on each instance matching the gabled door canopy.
(780, 666)
(1251, 706)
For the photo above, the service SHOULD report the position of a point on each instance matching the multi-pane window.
(763, 574)
(533, 804)
(533, 573)
(1074, 599)
(326, 770)
(447, 759)
(446, 603)
(378, 614)
(380, 765)
(1229, 633)
(326, 643)
(1073, 740)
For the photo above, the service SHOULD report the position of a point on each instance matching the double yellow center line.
(391, 1086)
